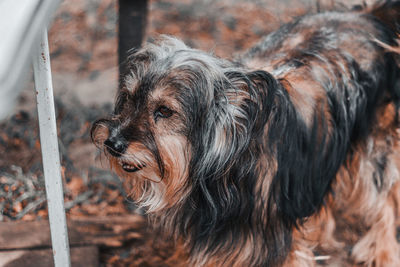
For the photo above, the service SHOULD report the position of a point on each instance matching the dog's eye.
(162, 112)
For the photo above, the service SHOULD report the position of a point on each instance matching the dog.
(288, 156)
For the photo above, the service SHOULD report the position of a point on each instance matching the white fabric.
(21, 22)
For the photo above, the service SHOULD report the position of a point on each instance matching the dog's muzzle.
(116, 146)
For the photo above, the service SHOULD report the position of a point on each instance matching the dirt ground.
(84, 62)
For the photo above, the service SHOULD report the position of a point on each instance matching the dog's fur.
(288, 157)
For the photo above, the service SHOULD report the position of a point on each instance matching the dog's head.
(181, 117)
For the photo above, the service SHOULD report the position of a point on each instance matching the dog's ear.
(225, 155)
(224, 145)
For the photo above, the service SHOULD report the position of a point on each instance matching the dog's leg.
(379, 247)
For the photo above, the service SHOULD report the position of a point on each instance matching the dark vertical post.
(132, 26)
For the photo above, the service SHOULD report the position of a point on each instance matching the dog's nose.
(115, 146)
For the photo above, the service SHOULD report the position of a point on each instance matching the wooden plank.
(102, 231)
(80, 257)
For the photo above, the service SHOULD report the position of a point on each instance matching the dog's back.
(323, 53)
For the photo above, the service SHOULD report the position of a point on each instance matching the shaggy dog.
(289, 156)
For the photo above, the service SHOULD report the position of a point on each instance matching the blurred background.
(84, 44)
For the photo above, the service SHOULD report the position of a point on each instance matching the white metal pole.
(50, 153)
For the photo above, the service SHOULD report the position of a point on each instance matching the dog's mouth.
(131, 168)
